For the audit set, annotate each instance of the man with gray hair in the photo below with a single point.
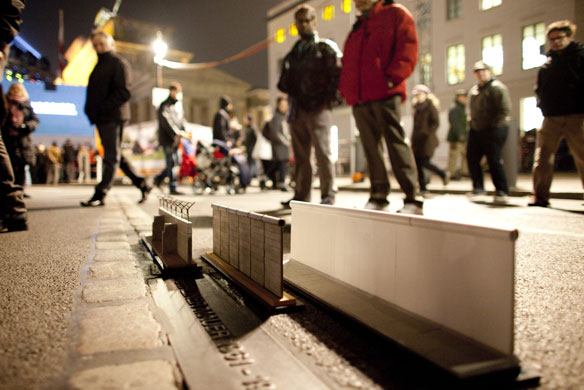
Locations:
(107, 106)
(560, 94)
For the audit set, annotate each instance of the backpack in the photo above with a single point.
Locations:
(266, 130)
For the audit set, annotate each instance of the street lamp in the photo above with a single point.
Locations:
(160, 48)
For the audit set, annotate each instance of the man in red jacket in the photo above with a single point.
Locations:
(380, 54)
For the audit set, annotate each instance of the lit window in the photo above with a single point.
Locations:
(453, 9)
(455, 65)
(493, 52)
(328, 13)
(530, 115)
(426, 68)
(346, 6)
(488, 4)
(293, 30)
(280, 35)
(533, 39)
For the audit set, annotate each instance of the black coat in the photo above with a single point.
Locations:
(18, 140)
(108, 90)
(560, 82)
(221, 125)
(426, 122)
(310, 73)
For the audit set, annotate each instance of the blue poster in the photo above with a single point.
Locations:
(60, 111)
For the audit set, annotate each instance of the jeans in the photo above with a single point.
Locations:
(171, 157)
(487, 143)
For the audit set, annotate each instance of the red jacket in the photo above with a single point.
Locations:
(382, 47)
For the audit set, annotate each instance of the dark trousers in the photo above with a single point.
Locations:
(11, 195)
(381, 119)
(487, 143)
(171, 157)
(425, 163)
(278, 171)
(111, 138)
(307, 130)
(11, 199)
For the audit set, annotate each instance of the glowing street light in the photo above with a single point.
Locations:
(160, 48)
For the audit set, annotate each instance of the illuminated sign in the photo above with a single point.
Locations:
(60, 111)
(52, 108)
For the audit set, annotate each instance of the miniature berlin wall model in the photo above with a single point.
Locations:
(457, 279)
(172, 231)
(248, 247)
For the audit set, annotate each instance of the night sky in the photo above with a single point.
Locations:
(211, 29)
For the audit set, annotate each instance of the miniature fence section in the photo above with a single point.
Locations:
(248, 247)
(454, 281)
(172, 232)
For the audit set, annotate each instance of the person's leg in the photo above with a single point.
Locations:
(12, 207)
(497, 139)
(453, 158)
(433, 168)
(400, 153)
(420, 162)
(474, 154)
(320, 131)
(110, 139)
(574, 134)
(370, 135)
(301, 147)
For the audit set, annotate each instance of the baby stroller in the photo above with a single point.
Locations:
(217, 165)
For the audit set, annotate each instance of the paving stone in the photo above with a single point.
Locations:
(114, 289)
(112, 236)
(115, 255)
(157, 374)
(112, 270)
(119, 328)
(112, 245)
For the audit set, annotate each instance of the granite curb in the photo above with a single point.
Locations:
(118, 340)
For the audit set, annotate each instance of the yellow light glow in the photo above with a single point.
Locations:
(328, 13)
(293, 30)
(280, 35)
(346, 6)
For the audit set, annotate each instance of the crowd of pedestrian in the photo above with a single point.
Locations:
(369, 75)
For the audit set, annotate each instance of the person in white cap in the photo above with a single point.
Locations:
(489, 111)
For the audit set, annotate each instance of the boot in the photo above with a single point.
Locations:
(145, 188)
(96, 200)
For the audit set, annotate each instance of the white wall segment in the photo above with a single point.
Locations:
(457, 275)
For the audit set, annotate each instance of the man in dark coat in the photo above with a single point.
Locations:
(171, 124)
(221, 121)
(377, 61)
(107, 106)
(12, 208)
(280, 144)
(310, 74)
(489, 125)
(560, 91)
